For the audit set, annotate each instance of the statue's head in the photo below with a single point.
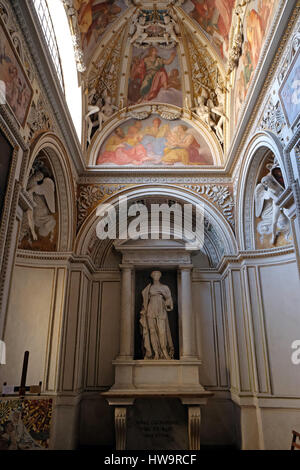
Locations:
(156, 275)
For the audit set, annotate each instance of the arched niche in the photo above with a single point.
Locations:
(262, 146)
(53, 152)
(219, 237)
(205, 142)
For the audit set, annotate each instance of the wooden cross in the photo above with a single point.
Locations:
(22, 389)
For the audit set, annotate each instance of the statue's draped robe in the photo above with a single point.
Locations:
(156, 300)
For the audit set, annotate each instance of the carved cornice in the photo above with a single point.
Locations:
(8, 120)
(254, 254)
(57, 258)
(152, 179)
(220, 195)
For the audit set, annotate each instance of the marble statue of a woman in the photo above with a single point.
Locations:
(157, 301)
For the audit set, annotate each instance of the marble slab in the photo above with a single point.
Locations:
(157, 424)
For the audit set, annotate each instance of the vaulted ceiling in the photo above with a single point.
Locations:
(204, 53)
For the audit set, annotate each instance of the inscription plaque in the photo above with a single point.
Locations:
(157, 424)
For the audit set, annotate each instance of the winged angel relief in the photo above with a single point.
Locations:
(273, 220)
(40, 221)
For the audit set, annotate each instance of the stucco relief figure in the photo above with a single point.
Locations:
(170, 30)
(203, 110)
(140, 34)
(104, 112)
(40, 221)
(274, 221)
(220, 111)
(155, 328)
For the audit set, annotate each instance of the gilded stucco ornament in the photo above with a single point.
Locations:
(155, 29)
(75, 32)
(238, 37)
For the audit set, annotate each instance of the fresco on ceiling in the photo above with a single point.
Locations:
(155, 76)
(215, 17)
(258, 18)
(289, 91)
(94, 17)
(25, 424)
(154, 141)
(15, 87)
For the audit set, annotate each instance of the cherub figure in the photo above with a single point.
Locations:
(140, 35)
(204, 111)
(169, 27)
(104, 113)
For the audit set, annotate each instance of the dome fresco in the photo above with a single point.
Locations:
(195, 59)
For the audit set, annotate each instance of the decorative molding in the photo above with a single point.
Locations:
(273, 120)
(194, 426)
(220, 195)
(120, 427)
(152, 179)
(75, 33)
(91, 195)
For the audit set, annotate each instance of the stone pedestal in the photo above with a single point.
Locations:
(192, 400)
(158, 379)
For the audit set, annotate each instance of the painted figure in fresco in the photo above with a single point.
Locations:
(17, 91)
(155, 138)
(158, 143)
(94, 16)
(215, 17)
(150, 75)
(125, 150)
(182, 147)
(255, 35)
(256, 23)
(154, 322)
(174, 80)
(155, 75)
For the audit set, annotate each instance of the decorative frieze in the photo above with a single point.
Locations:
(221, 196)
(91, 195)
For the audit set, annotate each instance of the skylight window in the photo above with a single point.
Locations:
(42, 10)
(54, 22)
